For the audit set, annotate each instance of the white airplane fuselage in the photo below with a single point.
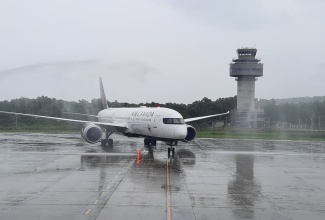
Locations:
(157, 123)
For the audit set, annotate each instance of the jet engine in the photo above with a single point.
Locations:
(91, 133)
(191, 133)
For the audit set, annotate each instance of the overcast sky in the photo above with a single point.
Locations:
(158, 50)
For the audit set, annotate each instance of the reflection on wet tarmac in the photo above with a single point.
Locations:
(187, 157)
(209, 179)
(243, 190)
(93, 159)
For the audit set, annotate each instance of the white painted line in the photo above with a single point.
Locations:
(87, 212)
(96, 202)
(102, 194)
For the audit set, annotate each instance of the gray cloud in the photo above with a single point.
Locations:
(162, 51)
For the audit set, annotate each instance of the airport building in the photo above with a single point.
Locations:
(246, 68)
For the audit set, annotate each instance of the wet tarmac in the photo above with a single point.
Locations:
(58, 176)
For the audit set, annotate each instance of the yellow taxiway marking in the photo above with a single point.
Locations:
(88, 211)
(168, 192)
(96, 202)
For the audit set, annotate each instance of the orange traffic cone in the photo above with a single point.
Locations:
(138, 155)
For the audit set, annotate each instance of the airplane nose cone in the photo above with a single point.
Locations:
(180, 132)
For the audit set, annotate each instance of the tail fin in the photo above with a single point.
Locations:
(102, 94)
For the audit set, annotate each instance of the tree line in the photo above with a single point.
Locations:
(298, 100)
(309, 115)
(303, 115)
(60, 108)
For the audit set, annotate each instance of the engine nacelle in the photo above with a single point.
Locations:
(191, 133)
(91, 133)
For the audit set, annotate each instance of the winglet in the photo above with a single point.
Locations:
(102, 94)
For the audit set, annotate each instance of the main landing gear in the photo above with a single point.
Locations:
(107, 142)
(171, 148)
(149, 144)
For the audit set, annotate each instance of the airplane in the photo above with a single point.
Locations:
(152, 124)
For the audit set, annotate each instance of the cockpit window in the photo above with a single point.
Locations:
(173, 120)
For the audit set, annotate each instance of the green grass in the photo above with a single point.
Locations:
(207, 133)
(263, 134)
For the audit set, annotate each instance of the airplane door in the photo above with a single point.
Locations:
(156, 121)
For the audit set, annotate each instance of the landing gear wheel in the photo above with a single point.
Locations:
(103, 142)
(171, 148)
(110, 143)
(149, 142)
(107, 143)
(146, 142)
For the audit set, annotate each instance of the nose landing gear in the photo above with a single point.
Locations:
(171, 148)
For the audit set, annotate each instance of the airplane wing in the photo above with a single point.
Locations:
(73, 113)
(203, 117)
(102, 124)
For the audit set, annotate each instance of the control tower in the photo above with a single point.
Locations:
(246, 68)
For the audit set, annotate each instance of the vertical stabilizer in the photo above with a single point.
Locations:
(102, 94)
